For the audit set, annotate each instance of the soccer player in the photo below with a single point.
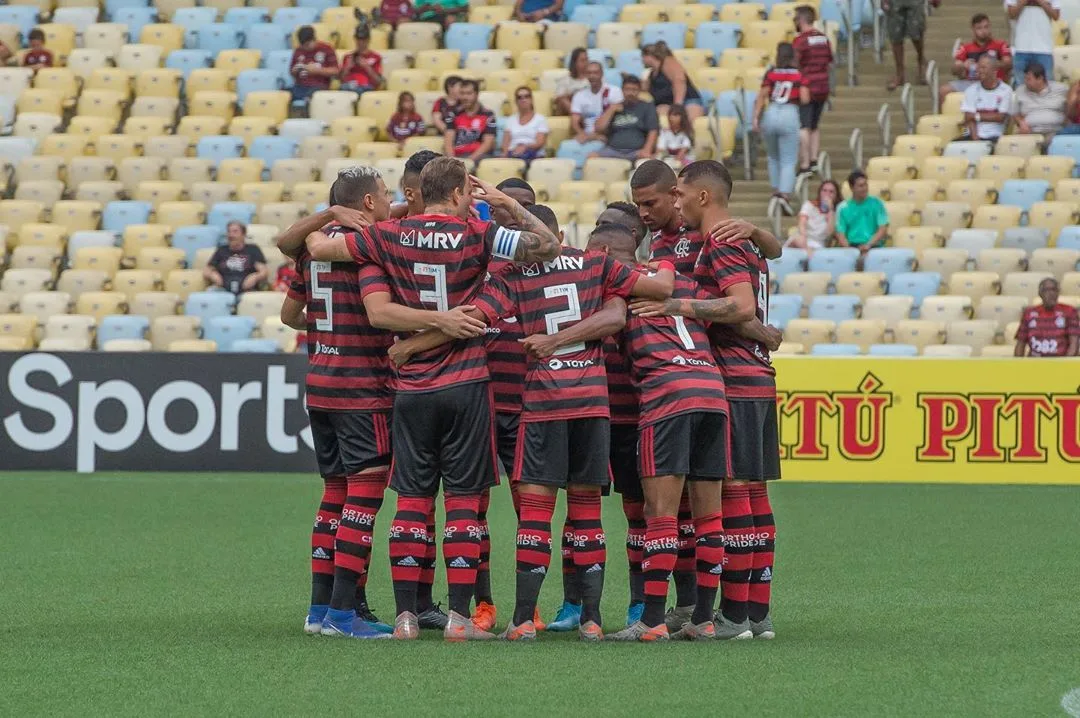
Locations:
(349, 401)
(442, 422)
(410, 180)
(682, 442)
(653, 188)
(736, 273)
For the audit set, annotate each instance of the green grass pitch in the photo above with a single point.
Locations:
(140, 595)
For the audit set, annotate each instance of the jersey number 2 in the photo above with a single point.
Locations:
(326, 294)
(572, 313)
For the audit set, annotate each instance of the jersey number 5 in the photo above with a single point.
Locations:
(572, 313)
(326, 294)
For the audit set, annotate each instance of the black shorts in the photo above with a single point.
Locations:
(694, 445)
(755, 439)
(447, 434)
(810, 115)
(348, 442)
(562, 452)
(624, 465)
(506, 437)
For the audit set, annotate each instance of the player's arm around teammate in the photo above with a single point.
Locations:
(292, 314)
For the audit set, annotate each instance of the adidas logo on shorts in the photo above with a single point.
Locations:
(459, 562)
(408, 561)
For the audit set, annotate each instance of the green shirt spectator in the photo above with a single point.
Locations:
(861, 221)
(444, 11)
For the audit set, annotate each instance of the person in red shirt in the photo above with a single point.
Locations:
(966, 60)
(815, 57)
(406, 122)
(470, 127)
(37, 56)
(362, 69)
(446, 104)
(1050, 329)
(394, 12)
(313, 64)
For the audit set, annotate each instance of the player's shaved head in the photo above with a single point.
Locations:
(545, 215)
(615, 240)
(518, 189)
(653, 173)
(704, 186)
(626, 215)
(410, 179)
(653, 188)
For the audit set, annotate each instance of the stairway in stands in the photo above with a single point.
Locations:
(858, 106)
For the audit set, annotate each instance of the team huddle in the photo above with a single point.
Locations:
(442, 345)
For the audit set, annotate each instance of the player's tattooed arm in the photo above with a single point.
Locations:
(537, 243)
(659, 286)
(730, 230)
(405, 349)
(761, 333)
(324, 248)
(291, 241)
(457, 323)
(292, 314)
(737, 307)
(610, 319)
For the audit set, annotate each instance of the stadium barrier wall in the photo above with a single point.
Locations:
(1007, 421)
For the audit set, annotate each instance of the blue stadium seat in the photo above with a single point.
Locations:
(206, 305)
(1069, 237)
(919, 285)
(319, 5)
(219, 147)
(612, 76)
(593, 15)
(601, 56)
(267, 38)
(256, 81)
(294, 17)
(270, 149)
(25, 17)
(972, 241)
(224, 212)
(1065, 146)
(245, 17)
(890, 260)
(617, 4)
(569, 150)
(570, 6)
(255, 346)
(673, 33)
(299, 128)
(118, 215)
(792, 260)
(717, 37)
(783, 308)
(1023, 193)
(113, 6)
(218, 36)
(468, 36)
(970, 150)
(893, 350)
(734, 103)
(280, 61)
(629, 61)
(835, 307)
(13, 149)
(122, 326)
(89, 238)
(834, 350)
(834, 11)
(191, 19)
(227, 329)
(187, 60)
(195, 237)
(1027, 238)
(135, 18)
(834, 260)
(7, 113)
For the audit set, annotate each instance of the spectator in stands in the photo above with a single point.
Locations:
(537, 10)
(1039, 104)
(5, 53)
(676, 143)
(668, 82)
(630, 126)
(362, 69)
(313, 64)
(37, 56)
(1072, 112)
(286, 275)
(1033, 34)
(237, 266)
(406, 122)
(588, 104)
(987, 103)
(817, 220)
(814, 56)
(966, 60)
(526, 132)
(1050, 329)
(395, 12)
(445, 11)
(470, 127)
(905, 19)
(567, 86)
(862, 221)
(446, 104)
(783, 90)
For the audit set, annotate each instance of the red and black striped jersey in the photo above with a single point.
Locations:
(434, 262)
(506, 359)
(348, 368)
(815, 57)
(783, 85)
(673, 366)
(680, 247)
(622, 395)
(549, 296)
(1048, 331)
(744, 363)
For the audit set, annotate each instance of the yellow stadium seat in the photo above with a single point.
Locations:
(160, 260)
(599, 169)
(918, 191)
(790, 349)
(1024, 146)
(765, 35)
(45, 191)
(1001, 261)
(167, 146)
(209, 193)
(328, 105)
(944, 127)
(952, 103)
(236, 61)
(77, 281)
(996, 216)
(861, 284)
(68, 332)
(371, 152)
(137, 237)
(742, 13)
(44, 167)
(917, 239)
(76, 215)
(418, 36)
(135, 170)
(157, 192)
(495, 170)
(1051, 169)
(153, 304)
(642, 13)
(183, 282)
(946, 308)
(863, 332)
(60, 80)
(294, 171)
(944, 169)
(999, 168)
(167, 36)
(102, 259)
(944, 261)
(975, 333)
(809, 332)
(206, 79)
(917, 147)
(546, 174)
(1053, 216)
(998, 351)
(101, 103)
(17, 332)
(272, 328)
(410, 80)
(118, 147)
(482, 62)
(138, 57)
(190, 346)
(65, 146)
(617, 37)
(260, 193)
(214, 104)
(321, 149)
(15, 212)
(806, 284)
(581, 192)
(715, 79)
(60, 39)
(35, 257)
(312, 193)
(353, 129)
(18, 282)
(436, 61)
(189, 170)
(180, 214)
(273, 104)
(948, 351)
(1023, 284)
(260, 305)
(92, 127)
(563, 37)
(505, 81)
(1001, 309)
(280, 214)
(559, 130)
(902, 214)
(46, 235)
(130, 282)
(691, 14)
(42, 102)
(100, 192)
(238, 170)
(518, 37)
(106, 37)
(889, 308)
(1070, 283)
(974, 192)
(200, 125)
(379, 106)
(101, 304)
(165, 330)
(396, 59)
(742, 59)
(1055, 261)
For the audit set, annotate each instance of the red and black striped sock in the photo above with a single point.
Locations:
(483, 571)
(685, 574)
(710, 564)
(590, 550)
(570, 586)
(354, 536)
(764, 545)
(661, 552)
(424, 599)
(322, 540)
(738, 551)
(635, 546)
(408, 546)
(515, 498)
(533, 552)
(461, 549)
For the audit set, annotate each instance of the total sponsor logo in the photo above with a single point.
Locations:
(326, 349)
(557, 364)
(688, 361)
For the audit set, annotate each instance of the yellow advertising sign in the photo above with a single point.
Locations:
(994, 421)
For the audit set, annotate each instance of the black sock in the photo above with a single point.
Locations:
(322, 587)
(528, 590)
(637, 588)
(591, 581)
(483, 587)
(361, 595)
(405, 596)
(344, 595)
(460, 599)
(654, 612)
(424, 601)
(685, 588)
(703, 609)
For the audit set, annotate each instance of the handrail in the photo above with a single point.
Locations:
(847, 14)
(775, 213)
(879, 36)
(884, 121)
(747, 141)
(855, 144)
(802, 187)
(933, 79)
(824, 165)
(907, 104)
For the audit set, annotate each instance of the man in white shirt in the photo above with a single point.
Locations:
(585, 107)
(1033, 34)
(987, 103)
